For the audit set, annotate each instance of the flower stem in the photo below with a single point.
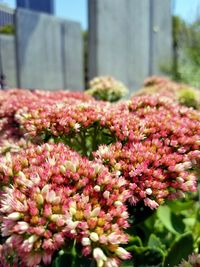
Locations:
(73, 253)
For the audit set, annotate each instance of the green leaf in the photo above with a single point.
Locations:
(178, 206)
(150, 222)
(133, 241)
(154, 242)
(139, 213)
(148, 257)
(170, 220)
(62, 260)
(181, 248)
(199, 189)
(189, 222)
(127, 264)
(66, 260)
(177, 223)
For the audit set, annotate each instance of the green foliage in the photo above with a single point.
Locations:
(66, 260)
(154, 242)
(166, 236)
(128, 263)
(146, 257)
(186, 52)
(71, 258)
(139, 213)
(170, 220)
(7, 29)
(188, 97)
(134, 241)
(86, 141)
(180, 249)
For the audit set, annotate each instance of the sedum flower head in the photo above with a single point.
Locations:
(181, 93)
(193, 261)
(52, 202)
(106, 88)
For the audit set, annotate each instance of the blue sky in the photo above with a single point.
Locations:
(77, 9)
(187, 9)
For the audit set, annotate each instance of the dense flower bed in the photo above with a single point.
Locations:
(73, 168)
(182, 93)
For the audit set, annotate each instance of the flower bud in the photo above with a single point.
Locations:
(122, 253)
(62, 169)
(54, 217)
(97, 188)
(72, 210)
(106, 194)
(14, 216)
(95, 212)
(22, 226)
(99, 256)
(32, 239)
(39, 199)
(118, 203)
(94, 237)
(85, 241)
(48, 147)
(180, 179)
(148, 191)
(69, 165)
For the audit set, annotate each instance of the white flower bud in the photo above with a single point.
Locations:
(95, 212)
(23, 226)
(118, 203)
(32, 239)
(48, 147)
(71, 166)
(85, 241)
(180, 179)
(148, 191)
(72, 225)
(45, 189)
(76, 126)
(22, 175)
(106, 194)
(62, 169)
(94, 237)
(72, 211)
(124, 214)
(54, 217)
(14, 216)
(122, 253)
(97, 188)
(187, 165)
(99, 256)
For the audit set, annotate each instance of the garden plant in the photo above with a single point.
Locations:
(90, 182)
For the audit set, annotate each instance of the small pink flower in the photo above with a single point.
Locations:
(122, 253)
(99, 256)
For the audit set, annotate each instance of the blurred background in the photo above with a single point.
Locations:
(52, 44)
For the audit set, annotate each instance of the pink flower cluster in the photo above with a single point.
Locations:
(163, 86)
(154, 171)
(58, 197)
(133, 121)
(145, 149)
(11, 101)
(59, 118)
(192, 261)
(181, 93)
(173, 125)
